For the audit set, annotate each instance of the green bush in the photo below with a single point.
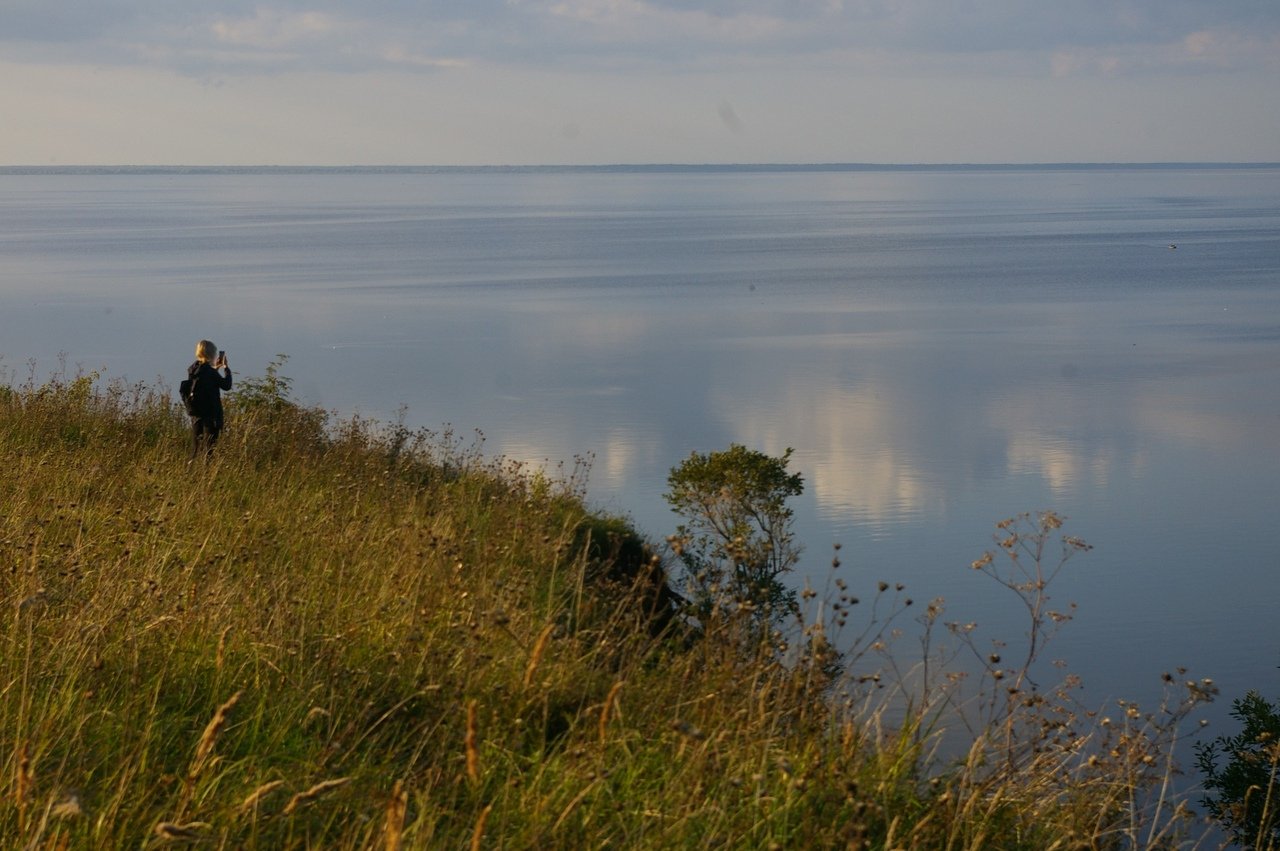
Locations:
(736, 542)
(1242, 774)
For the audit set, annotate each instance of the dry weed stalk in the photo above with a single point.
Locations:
(573, 805)
(539, 647)
(473, 755)
(478, 833)
(303, 798)
(24, 782)
(59, 842)
(396, 807)
(604, 710)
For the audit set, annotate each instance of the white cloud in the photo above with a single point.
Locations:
(1231, 50)
(635, 20)
(1204, 50)
(272, 29)
(400, 55)
(351, 36)
(594, 81)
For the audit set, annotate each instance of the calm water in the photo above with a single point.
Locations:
(942, 348)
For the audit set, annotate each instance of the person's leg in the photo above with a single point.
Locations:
(204, 434)
(212, 429)
(197, 433)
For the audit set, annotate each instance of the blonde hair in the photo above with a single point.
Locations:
(206, 351)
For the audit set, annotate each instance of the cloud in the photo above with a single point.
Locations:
(1198, 51)
(636, 20)
(273, 29)
(344, 35)
(648, 80)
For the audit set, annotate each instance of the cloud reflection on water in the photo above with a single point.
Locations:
(847, 439)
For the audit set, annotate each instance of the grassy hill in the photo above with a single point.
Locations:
(349, 635)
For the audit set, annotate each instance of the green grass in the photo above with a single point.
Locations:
(350, 635)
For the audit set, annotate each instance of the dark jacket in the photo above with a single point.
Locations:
(207, 384)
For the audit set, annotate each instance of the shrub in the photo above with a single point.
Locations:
(1243, 791)
(736, 543)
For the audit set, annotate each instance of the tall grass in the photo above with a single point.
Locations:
(351, 635)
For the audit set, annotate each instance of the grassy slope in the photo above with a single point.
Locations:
(356, 637)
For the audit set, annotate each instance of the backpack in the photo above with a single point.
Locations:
(187, 393)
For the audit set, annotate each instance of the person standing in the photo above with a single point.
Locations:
(207, 384)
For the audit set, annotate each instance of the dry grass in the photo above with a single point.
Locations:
(424, 648)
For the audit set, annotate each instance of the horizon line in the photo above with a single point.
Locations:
(156, 168)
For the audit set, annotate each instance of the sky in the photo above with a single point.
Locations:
(521, 82)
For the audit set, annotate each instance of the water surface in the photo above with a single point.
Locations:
(942, 348)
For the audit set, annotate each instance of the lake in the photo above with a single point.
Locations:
(942, 347)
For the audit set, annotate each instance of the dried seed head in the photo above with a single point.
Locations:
(304, 798)
(397, 806)
(210, 736)
(68, 807)
(472, 752)
(256, 796)
(172, 831)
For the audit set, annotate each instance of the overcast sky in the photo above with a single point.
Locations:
(337, 82)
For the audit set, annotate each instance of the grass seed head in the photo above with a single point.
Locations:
(169, 831)
(255, 797)
(210, 736)
(472, 751)
(303, 798)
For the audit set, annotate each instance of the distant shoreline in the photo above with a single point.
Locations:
(653, 168)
